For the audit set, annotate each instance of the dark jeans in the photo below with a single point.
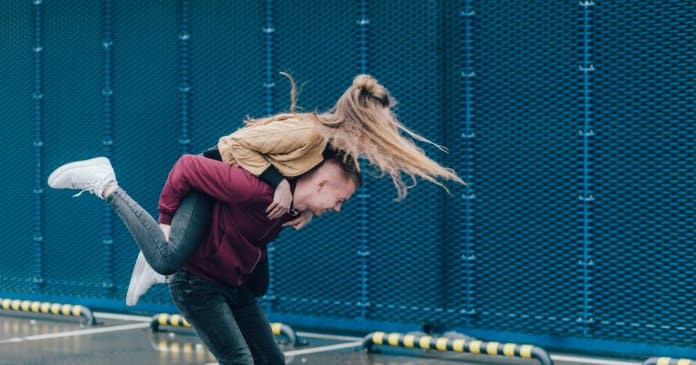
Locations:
(189, 222)
(228, 320)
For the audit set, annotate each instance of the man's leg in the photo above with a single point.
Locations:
(256, 329)
(206, 307)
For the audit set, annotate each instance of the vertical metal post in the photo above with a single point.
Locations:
(268, 87)
(107, 144)
(184, 76)
(37, 96)
(586, 262)
(467, 74)
(364, 195)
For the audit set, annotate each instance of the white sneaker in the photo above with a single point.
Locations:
(142, 279)
(92, 175)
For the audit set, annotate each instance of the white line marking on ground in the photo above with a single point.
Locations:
(122, 317)
(314, 350)
(328, 337)
(339, 346)
(591, 360)
(581, 360)
(90, 331)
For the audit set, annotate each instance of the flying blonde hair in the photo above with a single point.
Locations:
(362, 123)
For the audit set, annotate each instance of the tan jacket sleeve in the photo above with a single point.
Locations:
(292, 146)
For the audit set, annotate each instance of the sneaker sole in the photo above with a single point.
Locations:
(138, 269)
(71, 165)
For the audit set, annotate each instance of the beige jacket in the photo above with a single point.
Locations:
(293, 146)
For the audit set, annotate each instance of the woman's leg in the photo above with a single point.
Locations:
(190, 221)
(206, 307)
(188, 224)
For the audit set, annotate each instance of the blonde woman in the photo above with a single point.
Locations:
(283, 147)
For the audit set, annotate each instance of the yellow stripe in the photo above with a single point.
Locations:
(509, 349)
(408, 340)
(25, 305)
(663, 361)
(276, 327)
(175, 320)
(424, 342)
(162, 319)
(378, 338)
(393, 339)
(441, 343)
(16, 304)
(77, 310)
(492, 348)
(45, 307)
(684, 362)
(6, 304)
(55, 308)
(35, 306)
(475, 347)
(458, 345)
(65, 310)
(526, 351)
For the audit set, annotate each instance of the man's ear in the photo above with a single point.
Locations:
(322, 184)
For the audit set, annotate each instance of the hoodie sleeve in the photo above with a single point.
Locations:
(219, 180)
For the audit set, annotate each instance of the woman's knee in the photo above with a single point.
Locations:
(166, 266)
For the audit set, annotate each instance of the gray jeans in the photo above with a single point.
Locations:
(189, 222)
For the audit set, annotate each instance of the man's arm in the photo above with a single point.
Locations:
(217, 179)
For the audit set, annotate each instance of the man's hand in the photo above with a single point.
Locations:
(302, 220)
(282, 199)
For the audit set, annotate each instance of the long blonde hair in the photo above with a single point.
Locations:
(362, 123)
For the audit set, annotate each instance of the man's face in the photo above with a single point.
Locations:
(329, 194)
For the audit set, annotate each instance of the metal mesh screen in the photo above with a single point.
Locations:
(319, 55)
(17, 130)
(644, 158)
(407, 238)
(572, 122)
(527, 159)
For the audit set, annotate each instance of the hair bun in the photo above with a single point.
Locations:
(366, 84)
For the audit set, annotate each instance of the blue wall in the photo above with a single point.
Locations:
(573, 123)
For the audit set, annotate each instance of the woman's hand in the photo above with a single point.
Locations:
(302, 220)
(165, 230)
(282, 199)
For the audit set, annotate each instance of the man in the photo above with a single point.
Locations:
(211, 290)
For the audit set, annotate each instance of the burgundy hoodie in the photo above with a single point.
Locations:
(239, 230)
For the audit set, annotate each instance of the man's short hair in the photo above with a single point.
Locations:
(348, 164)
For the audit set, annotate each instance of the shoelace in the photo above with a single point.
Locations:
(90, 187)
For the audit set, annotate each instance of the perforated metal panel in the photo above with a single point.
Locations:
(17, 131)
(527, 156)
(407, 243)
(572, 122)
(645, 166)
(319, 55)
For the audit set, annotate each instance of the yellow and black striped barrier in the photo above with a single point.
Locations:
(28, 306)
(668, 361)
(472, 346)
(175, 320)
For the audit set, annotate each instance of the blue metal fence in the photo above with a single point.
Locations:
(572, 122)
